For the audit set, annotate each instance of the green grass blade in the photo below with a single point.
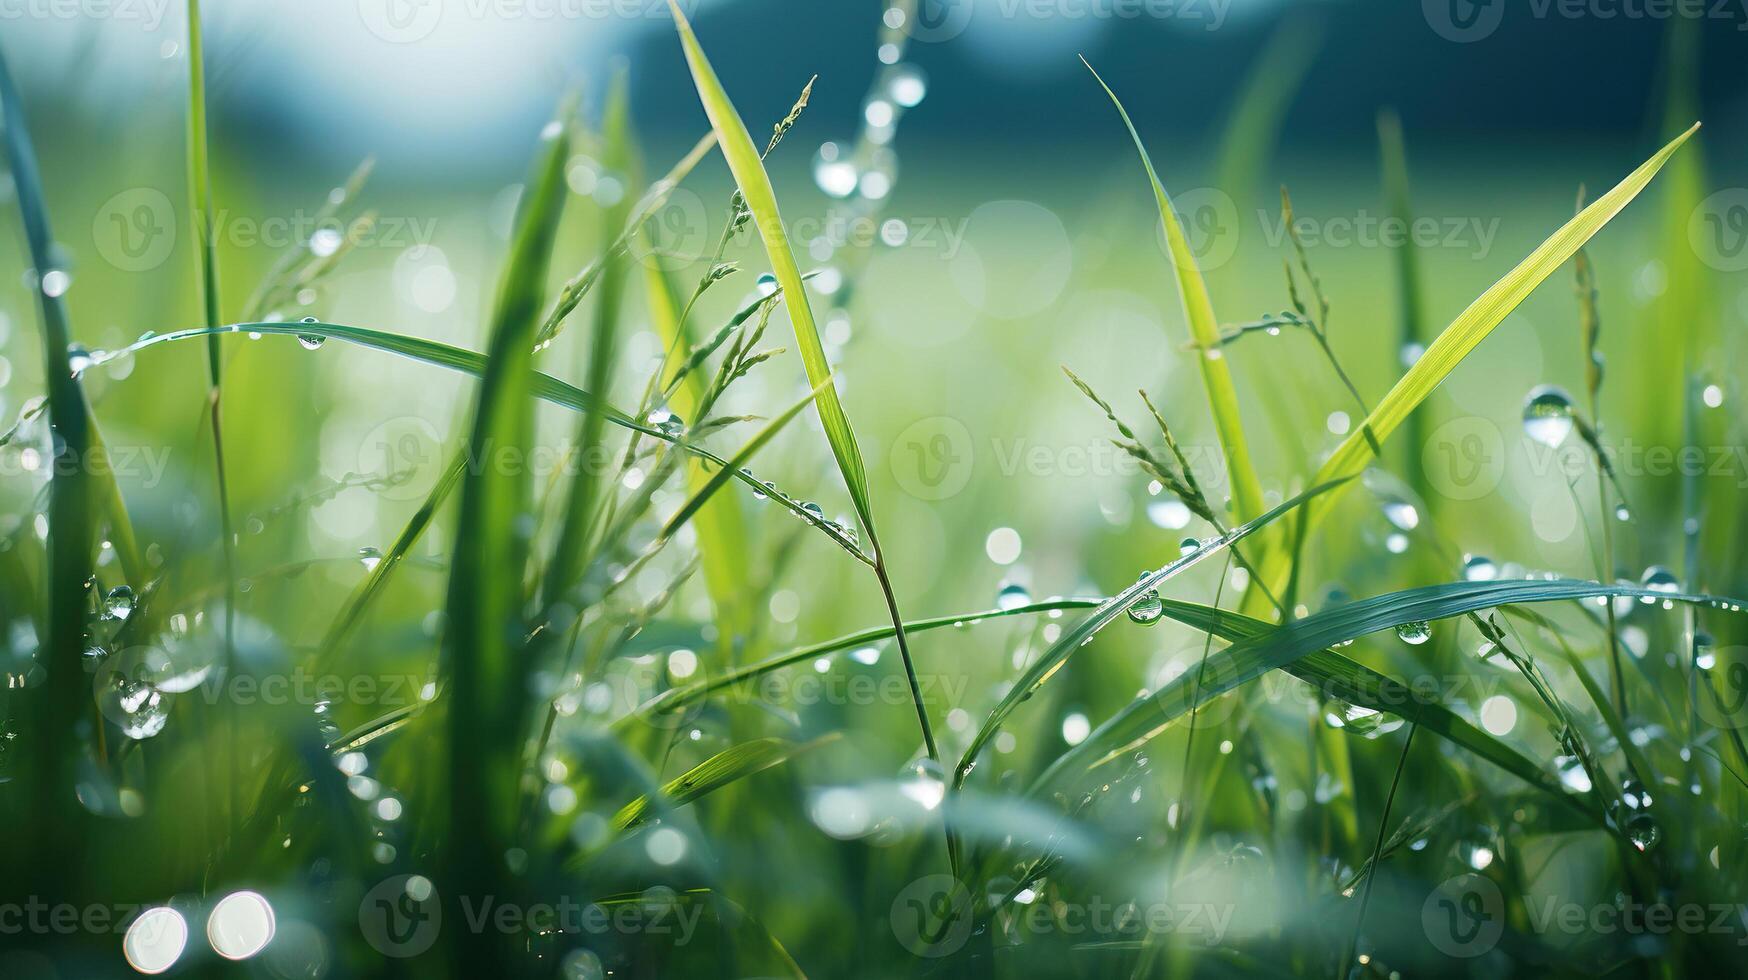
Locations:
(745, 163)
(676, 698)
(1205, 332)
(1410, 306)
(545, 387)
(1072, 639)
(571, 553)
(651, 202)
(47, 768)
(755, 186)
(719, 522)
(1474, 324)
(1250, 658)
(728, 766)
(486, 681)
(1338, 676)
(700, 497)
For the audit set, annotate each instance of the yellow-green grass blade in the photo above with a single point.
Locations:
(755, 186)
(748, 168)
(719, 523)
(483, 665)
(571, 553)
(1205, 332)
(730, 765)
(1468, 330)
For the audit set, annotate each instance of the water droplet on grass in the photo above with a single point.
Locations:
(1012, 596)
(1547, 415)
(1479, 568)
(1414, 634)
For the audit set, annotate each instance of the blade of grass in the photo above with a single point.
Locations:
(700, 497)
(676, 698)
(734, 763)
(571, 552)
(1081, 633)
(48, 769)
(719, 523)
(545, 387)
(745, 163)
(1255, 655)
(485, 681)
(1468, 330)
(200, 217)
(1410, 305)
(1205, 331)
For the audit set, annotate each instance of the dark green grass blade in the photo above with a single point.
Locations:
(1250, 658)
(727, 766)
(1338, 676)
(486, 678)
(1072, 639)
(46, 766)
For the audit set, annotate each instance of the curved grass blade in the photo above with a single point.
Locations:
(700, 497)
(761, 200)
(1338, 676)
(544, 387)
(485, 681)
(1205, 330)
(1470, 328)
(676, 698)
(747, 166)
(1250, 658)
(48, 770)
(1082, 632)
(734, 763)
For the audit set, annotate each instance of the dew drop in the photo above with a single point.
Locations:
(923, 782)
(1148, 609)
(1414, 634)
(1547, 415)
(1479, 568)
(119, 603)
(1358, 720)
(1012, 596)
(1643, 831)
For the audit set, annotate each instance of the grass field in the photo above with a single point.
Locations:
(743, 556)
